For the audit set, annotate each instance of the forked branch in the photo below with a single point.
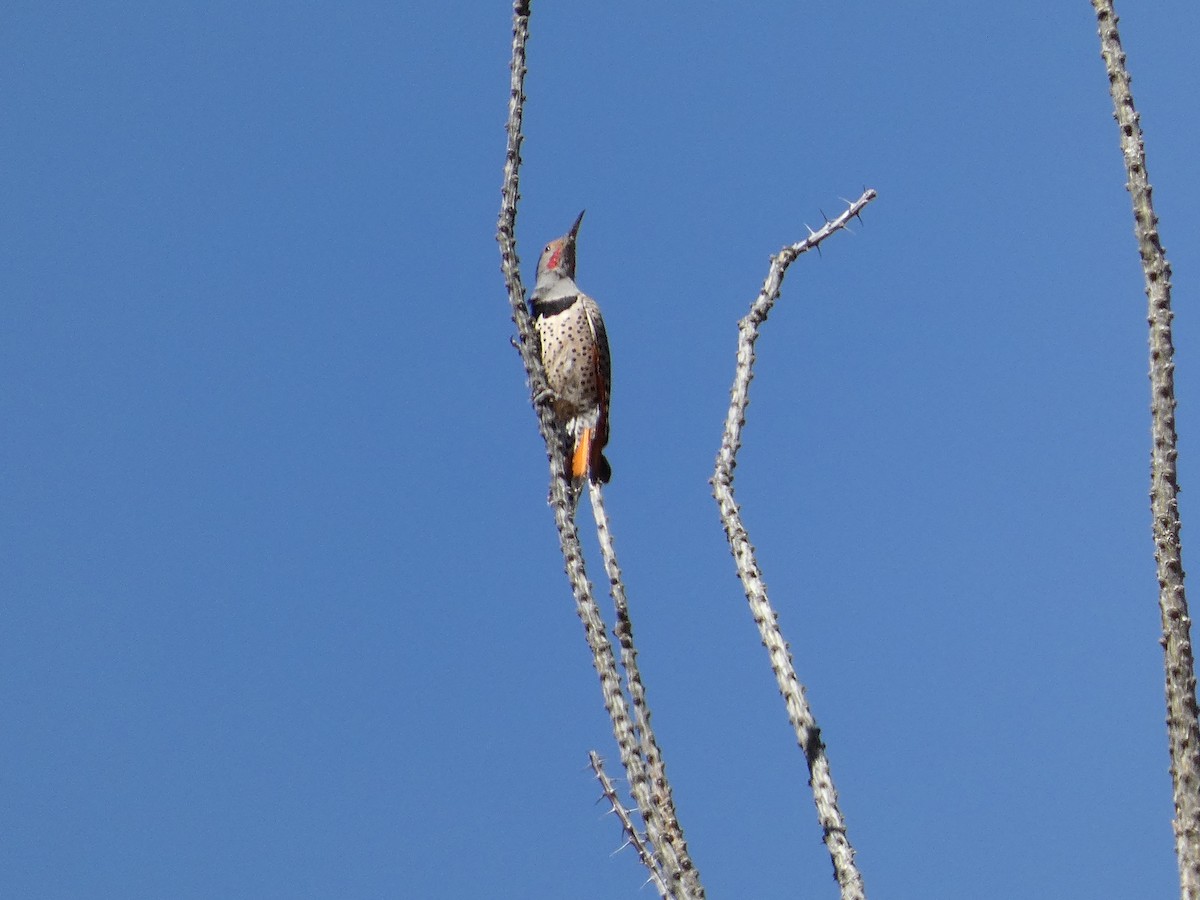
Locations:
(662, 831)
(660, 788)
(632, 837)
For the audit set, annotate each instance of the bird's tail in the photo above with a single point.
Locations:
(588, 458)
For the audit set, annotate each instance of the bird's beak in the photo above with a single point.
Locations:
(575, 228)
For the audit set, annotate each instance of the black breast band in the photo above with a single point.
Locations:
(553, 307)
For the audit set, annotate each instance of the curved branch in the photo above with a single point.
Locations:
(1183, 729)
(808, 735)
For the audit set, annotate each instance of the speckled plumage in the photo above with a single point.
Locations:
(574, 350)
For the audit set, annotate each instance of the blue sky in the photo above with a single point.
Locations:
(284, 614)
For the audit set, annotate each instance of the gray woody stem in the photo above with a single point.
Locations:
(660, 788)
(632, 836)
(1183, 732)
(808, 735)
(562, 500)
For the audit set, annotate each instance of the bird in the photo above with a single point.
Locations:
(573, 346)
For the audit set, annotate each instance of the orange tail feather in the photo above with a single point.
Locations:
(581, 458)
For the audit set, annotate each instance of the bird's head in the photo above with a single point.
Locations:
(559, 255)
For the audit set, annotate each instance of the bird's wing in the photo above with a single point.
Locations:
(602, 369)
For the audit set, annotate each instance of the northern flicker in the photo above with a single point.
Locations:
(574, 350)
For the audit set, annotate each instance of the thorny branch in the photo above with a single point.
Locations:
(681, 879)
(1183, 729)
(632, 837)
(660, 787)
(808, 735)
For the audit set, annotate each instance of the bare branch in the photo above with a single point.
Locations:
(633, 837)
(808, 735)
(660, 795)
(1183, 730)
(562, 497)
